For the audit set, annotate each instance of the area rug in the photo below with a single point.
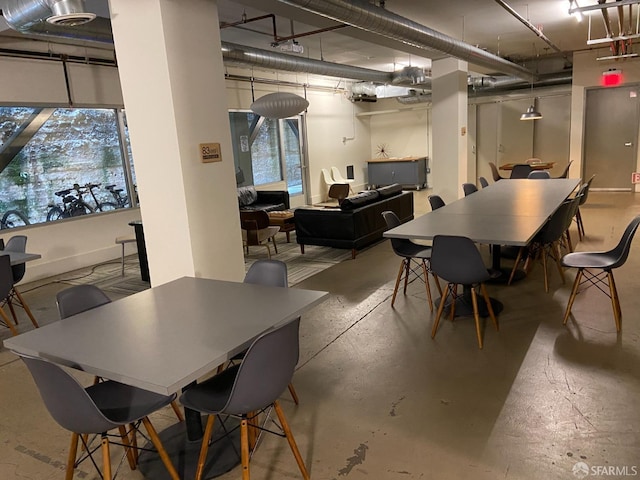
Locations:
(107, 276)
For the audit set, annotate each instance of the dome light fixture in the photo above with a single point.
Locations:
(531, 114)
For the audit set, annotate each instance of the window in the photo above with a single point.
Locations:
(266, 150)
(58, 162)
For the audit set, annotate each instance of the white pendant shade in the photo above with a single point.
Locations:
(279, 105)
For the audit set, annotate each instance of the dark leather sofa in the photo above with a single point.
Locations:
(356, 223)
(250, 199)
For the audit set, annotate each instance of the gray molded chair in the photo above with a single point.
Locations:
(6, 285)
(339, 191)
(585, 194)
(18, 243)
(80, 298)
(483, 182)
(436, 202)
(604, 263)
(415, 260)
(458, 261)
(546, 243)
(539, 175)
(469, 188)
(272, 273)
(98, 409)
(250, 387)
(521, 170)
(495, 172)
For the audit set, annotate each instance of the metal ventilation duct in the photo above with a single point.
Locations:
(371, 18)
(22, 15)
(256, 57)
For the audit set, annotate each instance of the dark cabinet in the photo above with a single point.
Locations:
(408, 171)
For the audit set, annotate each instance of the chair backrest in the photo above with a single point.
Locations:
(326, 176)
(79, 298)
(483, 181)
(585, 190)
(392, 221)
(252, 222)
(557, 223)
(436, 202)
(520, 170)
(6, 277)
(469, 188)
(457, 260)
(621, 251)
(337, 176)
(17, 243)
(539, 174)
(494, 172)
(266, 370)
(565, 173)
(267, 272)
(67, 401)
(339, 191)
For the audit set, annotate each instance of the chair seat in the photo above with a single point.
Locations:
(122, 403)
(602, 260)
(263, 234)
(125, 239)
(212, 395)
(413, 250)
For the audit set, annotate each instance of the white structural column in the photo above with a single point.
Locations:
(449, 127)
(172, 79)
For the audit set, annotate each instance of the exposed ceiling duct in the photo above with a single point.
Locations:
(22, 15)
(256, 57)
(371, 18)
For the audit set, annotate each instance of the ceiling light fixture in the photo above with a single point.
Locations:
(279, 105)
(531, 113)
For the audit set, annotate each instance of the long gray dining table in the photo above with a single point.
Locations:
(163, 339)
(507, 212)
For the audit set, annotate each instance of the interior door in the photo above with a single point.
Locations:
(611, 134)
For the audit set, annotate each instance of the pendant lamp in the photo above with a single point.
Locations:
(531, 114)
(279, 105)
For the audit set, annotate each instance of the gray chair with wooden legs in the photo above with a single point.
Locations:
(80, 298)
(415, 260)
(604, 263)
(547, 243)
(6, 285)
(469, 188)
(272, 273)
(245, 390)
(578, 217)
(338, 191)
(483, 181)
(458, 261)
(436, 202)
(495, 172)
(257, 231)
(18, 243)
(520, 171)
(98, 409)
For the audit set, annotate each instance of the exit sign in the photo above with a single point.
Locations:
(635, 177)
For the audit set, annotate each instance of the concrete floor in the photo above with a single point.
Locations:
(381, 400)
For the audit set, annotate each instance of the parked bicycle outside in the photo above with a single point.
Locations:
(13, 219)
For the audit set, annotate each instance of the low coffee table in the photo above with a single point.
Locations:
(284, 220)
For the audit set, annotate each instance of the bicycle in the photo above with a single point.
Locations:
(71, 206)
(122, 200)
(13, 219)
(88, 189)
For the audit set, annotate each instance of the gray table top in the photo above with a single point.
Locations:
(166, 337)
(508, 212)
(19, 257)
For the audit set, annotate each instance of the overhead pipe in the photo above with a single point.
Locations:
(363, 15)
(21, 15)
(256, 57)
(534, 29)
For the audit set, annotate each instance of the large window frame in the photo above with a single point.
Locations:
(49, 149)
